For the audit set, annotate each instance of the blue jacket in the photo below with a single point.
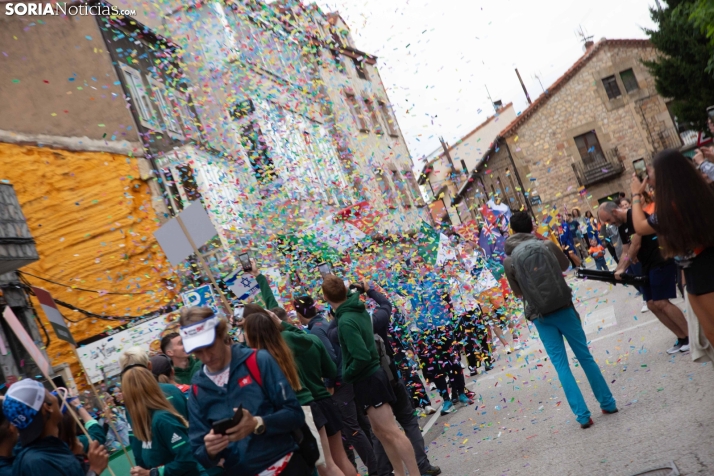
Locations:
(47, 456)
(275, 402)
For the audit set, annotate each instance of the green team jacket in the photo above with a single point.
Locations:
(184, 376)
(311, 357)
(354, 330)
(169, 449)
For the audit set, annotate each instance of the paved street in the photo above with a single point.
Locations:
(523, 425)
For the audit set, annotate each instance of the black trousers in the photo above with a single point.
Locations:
(352, 431)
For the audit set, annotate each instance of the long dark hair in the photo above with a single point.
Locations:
(684, 204)
(263, 332)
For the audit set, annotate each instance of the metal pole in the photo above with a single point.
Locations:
(520, 182)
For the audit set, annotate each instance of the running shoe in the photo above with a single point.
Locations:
(684, 348)
(448, 408)
(609, 412)
(645, 308)
(473, 371)
(465, 400)
(676, 348)
(429, 410)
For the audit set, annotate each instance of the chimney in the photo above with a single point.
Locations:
(498, 105)
(588, 44)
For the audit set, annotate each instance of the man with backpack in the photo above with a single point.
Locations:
(534, 271)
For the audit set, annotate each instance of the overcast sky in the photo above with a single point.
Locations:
(435, 56)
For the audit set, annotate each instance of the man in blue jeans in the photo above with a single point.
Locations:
(534, 271)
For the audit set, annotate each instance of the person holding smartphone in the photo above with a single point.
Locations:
(263, 440)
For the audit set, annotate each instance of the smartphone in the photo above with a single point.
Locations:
(221, 426)
(640, 169)
(245, 262)
(324, 269)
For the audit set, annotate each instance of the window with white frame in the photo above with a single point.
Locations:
(401, 189)
(357, 112)
(189, 119)
(371, 107)
(169, 113)
(414, 187)
(139, 96)
(388, 117)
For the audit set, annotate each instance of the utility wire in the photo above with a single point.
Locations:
(81, 289)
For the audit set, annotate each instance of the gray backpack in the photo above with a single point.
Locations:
(384, 359)
(540, 278)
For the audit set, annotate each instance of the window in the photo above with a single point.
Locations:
(401, 190)
(188, 117)
(138, 93)
(257, 151)
(589, 148)
(166, 108)
(385, 188)
(388, 118)
(611, 87)
(376, 125)
(188, 182)
(339, 64)
(629, 80)
(173, 197)
(360, 67)
(357, 112)
(414, 187)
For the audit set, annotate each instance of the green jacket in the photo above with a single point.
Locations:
(313, 362)
(175, 398)
(354, 329)
(169, 449)
(184, 376)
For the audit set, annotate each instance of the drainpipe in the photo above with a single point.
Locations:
(518, 177)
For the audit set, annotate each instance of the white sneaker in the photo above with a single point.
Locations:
(676, 347)
(429, 410)
(684, 348)
(645, 308)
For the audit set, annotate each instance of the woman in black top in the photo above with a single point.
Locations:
(684, 224)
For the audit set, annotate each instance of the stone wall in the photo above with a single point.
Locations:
(544, 147)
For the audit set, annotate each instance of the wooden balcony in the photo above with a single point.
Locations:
(598, 167)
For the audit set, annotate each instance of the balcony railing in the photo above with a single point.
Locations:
(667, 139)
(597, 167)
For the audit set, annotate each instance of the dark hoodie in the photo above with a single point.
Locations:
(312, 362)
(354, 328)
(274, 401)
(511, 243)
(47, 456)
(309, 353)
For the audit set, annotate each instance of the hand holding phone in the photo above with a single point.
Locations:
(221, 426)
(245, 262)
(640, 169)
(324, 269)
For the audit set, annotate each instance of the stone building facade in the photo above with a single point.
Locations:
(574, 146)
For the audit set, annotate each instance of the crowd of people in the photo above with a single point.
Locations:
(271, 392)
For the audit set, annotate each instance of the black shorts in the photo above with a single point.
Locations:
(374, 391)
(699, 276)
(326, 414)
(662, 284)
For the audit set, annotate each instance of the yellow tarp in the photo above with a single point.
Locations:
(91, 216)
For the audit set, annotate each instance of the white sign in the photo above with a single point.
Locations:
(172, 239)
(101, 356)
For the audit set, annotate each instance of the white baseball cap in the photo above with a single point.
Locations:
(199, 335)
